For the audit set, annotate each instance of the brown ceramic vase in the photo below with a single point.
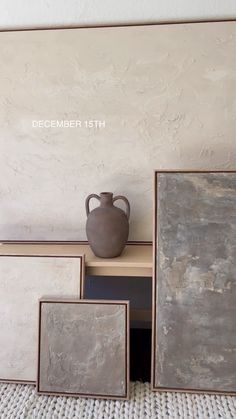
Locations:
(107, 226)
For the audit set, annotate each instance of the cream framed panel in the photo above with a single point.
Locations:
(84, 348)
(164, 105)
(194, 282)
(24, 279)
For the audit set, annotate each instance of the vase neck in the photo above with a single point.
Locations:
(106, 199)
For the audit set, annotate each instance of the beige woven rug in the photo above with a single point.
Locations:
(21, 401)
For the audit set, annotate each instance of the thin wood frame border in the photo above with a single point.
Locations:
(120, 25)
(70, 242)
(126, 304)
(80, 293)
(155, 291)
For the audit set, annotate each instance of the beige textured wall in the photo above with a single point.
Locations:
(167, 94)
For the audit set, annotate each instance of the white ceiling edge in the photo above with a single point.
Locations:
(28, 14)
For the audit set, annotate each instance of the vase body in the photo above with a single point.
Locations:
(107, 226)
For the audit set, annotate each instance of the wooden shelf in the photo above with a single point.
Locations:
(136, 259)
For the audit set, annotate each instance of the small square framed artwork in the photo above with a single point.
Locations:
(194, 282)
(24, 279)
(83, 348)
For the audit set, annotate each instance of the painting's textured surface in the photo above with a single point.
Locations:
(166, 94)
(23, 280)
(196, 281)
(83, 348)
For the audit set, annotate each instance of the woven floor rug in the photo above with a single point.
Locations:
(21, 401)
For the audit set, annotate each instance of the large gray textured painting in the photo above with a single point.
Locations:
(83, 348)
(195, 281)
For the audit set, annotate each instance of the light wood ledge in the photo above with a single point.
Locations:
(136, 259)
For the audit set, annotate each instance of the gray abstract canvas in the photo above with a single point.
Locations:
(84, 348)
(195, 281)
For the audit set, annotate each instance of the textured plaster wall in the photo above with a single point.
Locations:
(166, 93)
(44, 13)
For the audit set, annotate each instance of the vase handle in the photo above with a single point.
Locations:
(93, 195)
(123, 198)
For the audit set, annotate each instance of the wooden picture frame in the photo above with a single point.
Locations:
(100, 369)
(24, 279)
(194, 330)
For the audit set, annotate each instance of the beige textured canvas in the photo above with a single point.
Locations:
(166, 94)
(84, 348)
(23, 281)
